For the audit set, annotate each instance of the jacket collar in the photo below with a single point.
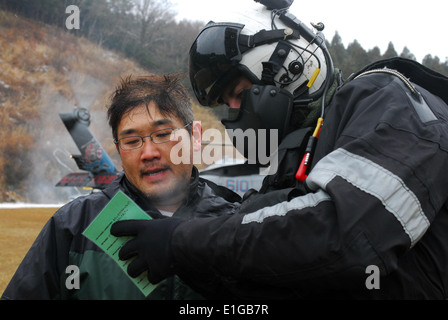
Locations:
(123, 184)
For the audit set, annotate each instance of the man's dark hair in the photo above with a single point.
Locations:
(167, 92)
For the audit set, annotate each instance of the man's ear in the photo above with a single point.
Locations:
(197, 135)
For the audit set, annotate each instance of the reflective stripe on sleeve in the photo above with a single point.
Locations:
(309, 200)
(377, 181)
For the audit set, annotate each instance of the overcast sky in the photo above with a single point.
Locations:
(419, 25)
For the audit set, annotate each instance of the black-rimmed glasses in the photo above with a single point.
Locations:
(157, 137)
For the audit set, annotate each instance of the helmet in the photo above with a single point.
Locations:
(284, 59)
(247, 46)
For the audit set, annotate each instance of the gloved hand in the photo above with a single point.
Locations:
(151, 245)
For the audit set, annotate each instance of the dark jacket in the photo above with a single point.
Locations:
(42, 273)
(375, 199)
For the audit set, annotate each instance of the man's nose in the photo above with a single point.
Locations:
(234, 102)
(149, 149)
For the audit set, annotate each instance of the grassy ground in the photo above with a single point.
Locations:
(18, 229)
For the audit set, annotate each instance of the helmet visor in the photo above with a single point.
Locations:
(214, 56)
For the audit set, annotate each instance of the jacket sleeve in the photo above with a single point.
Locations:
(374, 192)
(38, 276)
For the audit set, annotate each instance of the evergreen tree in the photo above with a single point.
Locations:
(407, 54)
(374, 54)
(435, 64)
(356, 58)
(390, 51)
(338, 52)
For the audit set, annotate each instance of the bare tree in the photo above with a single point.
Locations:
(152, 16)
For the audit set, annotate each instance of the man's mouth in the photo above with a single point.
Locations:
(153, 172)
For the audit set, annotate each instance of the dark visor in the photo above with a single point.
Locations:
(214, 53)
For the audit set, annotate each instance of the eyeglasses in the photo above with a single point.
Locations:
(157, 137)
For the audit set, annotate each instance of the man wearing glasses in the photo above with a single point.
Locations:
(148, 116)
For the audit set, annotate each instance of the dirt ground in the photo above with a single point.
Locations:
(19, 228)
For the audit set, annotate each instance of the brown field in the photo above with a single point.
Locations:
(18, 229)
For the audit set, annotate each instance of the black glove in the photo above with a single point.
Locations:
(151, 245)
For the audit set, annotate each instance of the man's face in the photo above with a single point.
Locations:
(234, 90)
(150, 168)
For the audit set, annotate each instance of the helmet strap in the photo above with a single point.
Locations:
(247, 42)
(275, 63)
